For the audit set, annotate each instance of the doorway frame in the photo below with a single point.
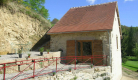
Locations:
(81, 47)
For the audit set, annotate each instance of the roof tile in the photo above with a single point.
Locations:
(88, 18)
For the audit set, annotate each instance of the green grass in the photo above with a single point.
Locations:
(132, 65)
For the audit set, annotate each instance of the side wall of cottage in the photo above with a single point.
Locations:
(116, 50)
(59, 40)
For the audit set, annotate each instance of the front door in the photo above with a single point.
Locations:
(84, 48)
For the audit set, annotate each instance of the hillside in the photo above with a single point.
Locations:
(20, 25)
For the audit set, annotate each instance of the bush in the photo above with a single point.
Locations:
(107, 78)
(124, 60)
(41, 49)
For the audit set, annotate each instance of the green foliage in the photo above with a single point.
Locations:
(70, 68)
(19, 51)
(29, 54)
(47, 50)
(44, 12)
(75, 77)
(132, 65)
(107, 78)
(129, 40)
(103, 74)
(91, 65)
(54, 21)
(124, 60)
(136, 50)
(28, 12)
(41, 49)
(37, 5)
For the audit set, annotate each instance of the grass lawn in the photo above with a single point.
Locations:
(131, 64)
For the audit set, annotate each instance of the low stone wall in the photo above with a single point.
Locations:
(46, 59)
(95, 73)
(3, 53)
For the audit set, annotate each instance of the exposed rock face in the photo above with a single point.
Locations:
(19, 28)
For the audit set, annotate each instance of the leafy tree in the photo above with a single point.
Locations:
(44, 12)
(54, 21)
(130, 42)
(136, 50)
(124, 42)
(38, 6)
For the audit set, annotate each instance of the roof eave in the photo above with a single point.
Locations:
(80, 31)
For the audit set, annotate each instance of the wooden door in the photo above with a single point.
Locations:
(84, 48)
(97, 50)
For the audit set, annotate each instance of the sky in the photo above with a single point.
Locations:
(128, 9)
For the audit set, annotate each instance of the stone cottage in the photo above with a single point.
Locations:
(90, 30)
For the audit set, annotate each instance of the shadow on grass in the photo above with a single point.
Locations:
(130, 66)
(133, 59)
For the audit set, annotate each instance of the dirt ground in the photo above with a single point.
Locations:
(128, 74)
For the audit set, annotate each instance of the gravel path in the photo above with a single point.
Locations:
(129, 75)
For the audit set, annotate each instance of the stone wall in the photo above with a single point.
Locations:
(95, 73)
(59, 40)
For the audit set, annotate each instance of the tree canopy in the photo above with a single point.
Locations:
(38, 6)
(129, 43)
(54, 21)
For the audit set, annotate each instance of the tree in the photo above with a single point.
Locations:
(136, 50)
(38, 6)
(44, 12)
(54, 21)
(124, 42)
(130, 42)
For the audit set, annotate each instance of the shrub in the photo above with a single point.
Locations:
(107, 78)
(41, 49)
(124, 60)
(47, 50)
(104, 74)
(28, 13)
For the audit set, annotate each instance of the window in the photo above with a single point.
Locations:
(117, 42)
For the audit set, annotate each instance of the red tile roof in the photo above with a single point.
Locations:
(88, 18)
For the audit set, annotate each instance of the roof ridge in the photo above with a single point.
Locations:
(93, 5)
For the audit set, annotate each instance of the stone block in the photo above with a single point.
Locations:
(29, 60)
(48, 55)
(51, 62)
(38, 65)
(7, 61)
(12, 69)
(56, 54)
(3, 53)
(39, 58)
(45, 63)
(20, 59)
(22, 67)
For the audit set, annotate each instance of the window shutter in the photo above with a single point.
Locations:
(97, 50)
(70, 48)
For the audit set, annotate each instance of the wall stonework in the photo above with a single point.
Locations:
(59, 40)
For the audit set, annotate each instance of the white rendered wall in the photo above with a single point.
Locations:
(116, 53)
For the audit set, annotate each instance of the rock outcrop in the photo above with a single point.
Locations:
(17, 26)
